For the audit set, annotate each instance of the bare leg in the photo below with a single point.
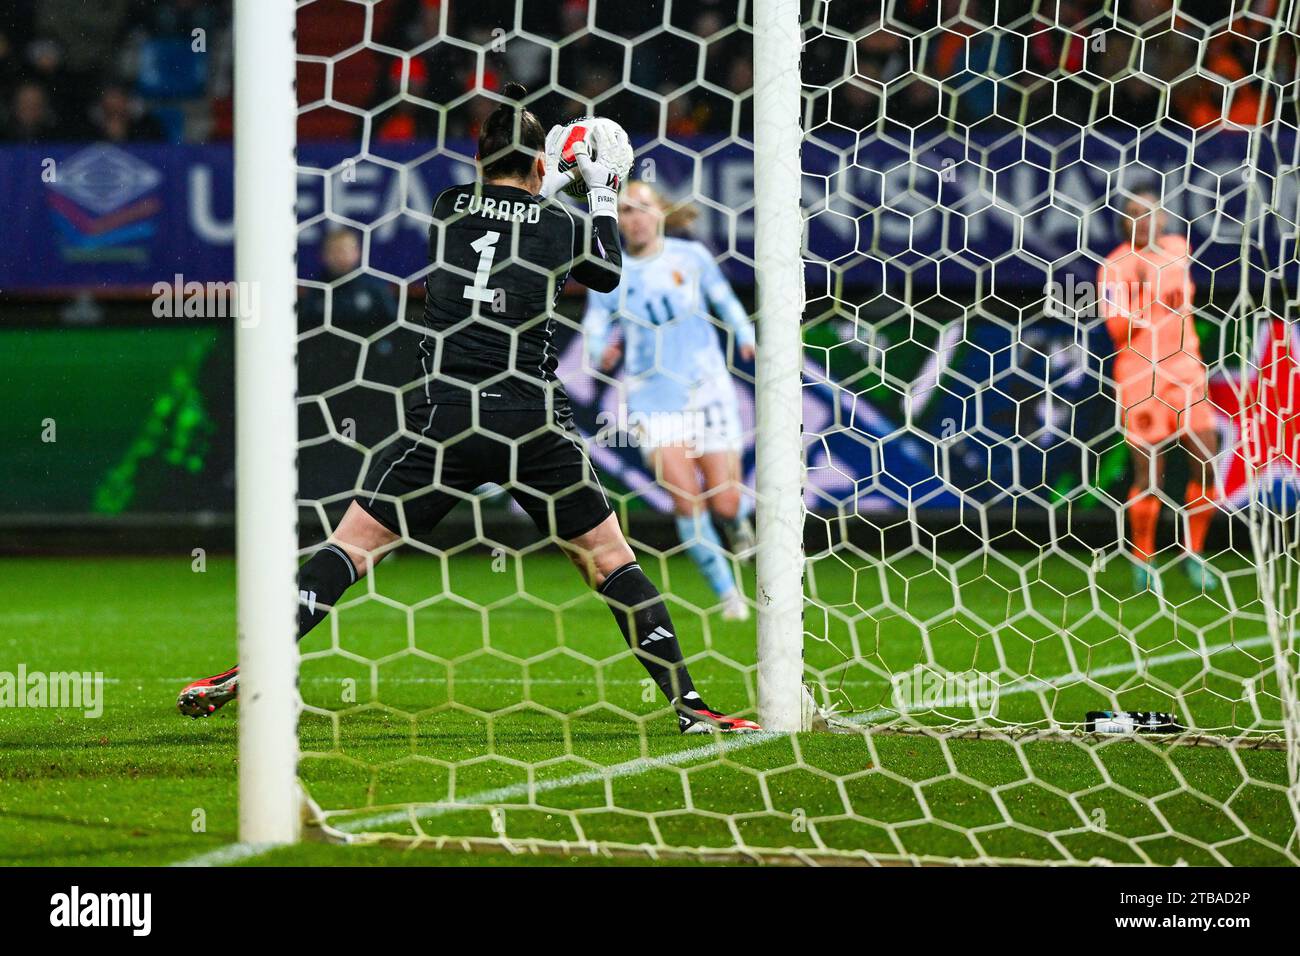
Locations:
(1202, 447)
(365, 540)
(721, 470)
(1143, 468)
(680, 477)
(599, 552)
(1144, 506)
(724, 494)
(679, 472)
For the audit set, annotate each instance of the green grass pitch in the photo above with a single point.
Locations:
(494, 699)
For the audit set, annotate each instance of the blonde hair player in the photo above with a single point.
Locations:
(681, 401)
(1160, 381)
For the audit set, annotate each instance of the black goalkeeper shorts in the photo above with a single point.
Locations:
(537, 458)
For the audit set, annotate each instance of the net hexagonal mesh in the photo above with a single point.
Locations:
(1049, 250)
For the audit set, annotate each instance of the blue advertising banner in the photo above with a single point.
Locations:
(1016, 211)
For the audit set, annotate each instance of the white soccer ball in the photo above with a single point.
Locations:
(607, 144)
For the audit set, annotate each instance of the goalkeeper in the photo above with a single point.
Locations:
(489, 408)
(1160, 380)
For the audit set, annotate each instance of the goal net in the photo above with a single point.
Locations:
(1011, 649)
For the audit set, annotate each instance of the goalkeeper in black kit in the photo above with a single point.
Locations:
(502, 252)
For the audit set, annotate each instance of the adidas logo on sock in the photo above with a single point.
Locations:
(658, 634)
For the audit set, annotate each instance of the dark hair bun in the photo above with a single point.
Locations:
(503, 117)
(511, 136)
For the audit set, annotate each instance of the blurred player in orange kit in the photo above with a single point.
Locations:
(1160, 380)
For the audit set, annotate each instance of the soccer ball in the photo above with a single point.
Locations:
(607, 143)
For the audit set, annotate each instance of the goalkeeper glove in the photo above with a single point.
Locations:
(554, 182)
(576, 154)
(601, 181)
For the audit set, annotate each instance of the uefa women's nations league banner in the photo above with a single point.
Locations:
(125, 218)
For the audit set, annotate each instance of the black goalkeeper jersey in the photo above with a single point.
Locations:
(500, 259)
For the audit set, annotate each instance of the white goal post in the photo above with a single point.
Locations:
(778, 239)
(266, 242)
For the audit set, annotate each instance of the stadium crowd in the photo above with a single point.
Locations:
(160, 70)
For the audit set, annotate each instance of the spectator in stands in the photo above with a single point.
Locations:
(118, 118)
(683, 118)
(883, 59)
(65, 91)
(590, 64)
(527, 62)
(89, 35)
(1061, 75)
(10, 70)
(1038, 62)
(177, 19)
(1200, 101)
(882, 56)
(31, 118)
(969, 59)
(414, 22)
(707, 23)
(1060, 51)
(408, 121)
(19, 23)
(361, 303)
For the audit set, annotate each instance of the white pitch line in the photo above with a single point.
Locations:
(228, 854)
(627, 769)
(719, 747)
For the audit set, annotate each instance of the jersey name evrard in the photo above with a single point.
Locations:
(503, 209)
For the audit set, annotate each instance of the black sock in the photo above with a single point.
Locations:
(648, 629)
(321, 582)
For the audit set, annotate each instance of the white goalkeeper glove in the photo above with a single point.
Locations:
(601, 181)
(598, 152)
(554, 182)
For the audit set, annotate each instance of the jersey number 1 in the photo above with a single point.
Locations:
(486, 247)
